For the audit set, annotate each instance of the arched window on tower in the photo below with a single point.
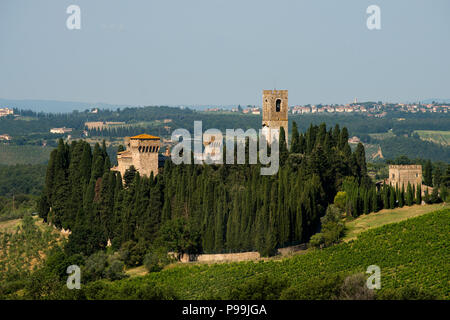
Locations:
(278, 105)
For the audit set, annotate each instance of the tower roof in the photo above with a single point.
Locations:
(145, 137)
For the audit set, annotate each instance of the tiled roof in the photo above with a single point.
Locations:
(145, 137)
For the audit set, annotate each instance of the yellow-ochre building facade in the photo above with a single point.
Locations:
(142, 152)
(401, 175)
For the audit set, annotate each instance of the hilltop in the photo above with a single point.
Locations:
(411, 254)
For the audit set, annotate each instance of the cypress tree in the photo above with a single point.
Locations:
(391, 198)
(336, 135)
(343, 138)
(428, 174)
(419, 194)
(129, 175)
(283, 147)
(375, 206)
(361, 160)
(366, 202)
(295, 140)
(409, 195)
(302, 144)
(437, 180)
(400, 197)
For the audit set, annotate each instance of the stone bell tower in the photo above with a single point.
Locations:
(275, 112)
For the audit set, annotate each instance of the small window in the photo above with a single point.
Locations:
(278, 105)
(417, 175)
(393, 175)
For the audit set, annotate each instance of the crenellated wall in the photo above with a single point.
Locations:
(142, 153)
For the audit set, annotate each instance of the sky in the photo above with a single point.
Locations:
(224, 52)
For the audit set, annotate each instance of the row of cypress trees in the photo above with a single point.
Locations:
(200, 208)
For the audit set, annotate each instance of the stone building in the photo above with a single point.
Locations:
(213, 147)
(275, 112)
(61, 130)
(5, 112)
(404, 174)
(142, 152)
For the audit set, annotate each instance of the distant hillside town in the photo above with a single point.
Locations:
(5, 112)
(371, 109)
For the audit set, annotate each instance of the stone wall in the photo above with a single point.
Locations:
(235, 257)
(145, 156)
(220, 257)
(142, 154)
(403, 174)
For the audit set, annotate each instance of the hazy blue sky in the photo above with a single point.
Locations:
(224, 52)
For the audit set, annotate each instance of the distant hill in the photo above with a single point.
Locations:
(436, 100)
(55, 106)
(410, 253)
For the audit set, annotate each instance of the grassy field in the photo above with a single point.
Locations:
(413, 252)
(353, 228)
(137, 272)
(27, 154)
(9, 226)
(386, 216)
(24, 244)
(381, 136)
(440, 137)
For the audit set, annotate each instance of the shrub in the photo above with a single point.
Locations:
(406, 293)
(132, 253)
(327, 288)
(354, 288)
(57, 262)
(332, 228)
(115, 271)
(95, 267)
(157, 258)
(128, 290)
(259, 288)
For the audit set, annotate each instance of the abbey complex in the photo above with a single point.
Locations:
(142, 151)
(207, 212)
(187, 156)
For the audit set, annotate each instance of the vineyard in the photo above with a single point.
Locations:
(23, 247)
(26, 154)
(440, 137)
(414, 252)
